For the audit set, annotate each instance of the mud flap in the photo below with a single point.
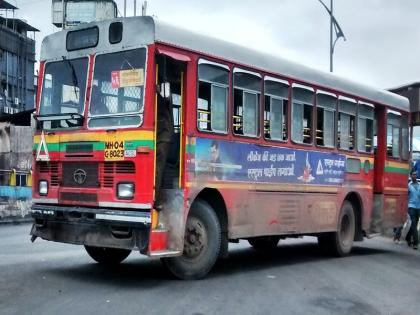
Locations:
(376, 223)
(385, 215)
(170, 222)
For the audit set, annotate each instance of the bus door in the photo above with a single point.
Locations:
(170, 107)
(390, 170)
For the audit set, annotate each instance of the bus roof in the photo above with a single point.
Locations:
(143, 30)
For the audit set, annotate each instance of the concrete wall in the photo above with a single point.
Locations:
(15, 159)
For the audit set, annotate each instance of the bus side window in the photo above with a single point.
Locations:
(346, 123)
(365, 128)
(393, 134)
(213, 87)
(246, 99)
(405, 154)
(326, 107)
(275, 110)
(302, 108)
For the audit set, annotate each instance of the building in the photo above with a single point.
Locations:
(17, 59)
(17, 100)
(82, 11)
(412, 92)
(16, 134)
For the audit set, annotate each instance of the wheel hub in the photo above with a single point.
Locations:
(195, 238)
(345, 232)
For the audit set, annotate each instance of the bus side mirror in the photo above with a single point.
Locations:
(165, 90)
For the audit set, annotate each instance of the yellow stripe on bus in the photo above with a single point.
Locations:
(360, 186)
(405, 189)
(405, 166)
(361, 158)
(98, 136)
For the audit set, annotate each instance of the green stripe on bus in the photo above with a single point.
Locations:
(189, 148)
(97, 146)
(390, 169)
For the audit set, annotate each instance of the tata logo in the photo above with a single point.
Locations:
(79, 176)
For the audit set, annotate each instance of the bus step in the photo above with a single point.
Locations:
(369, 236)
(165, 253)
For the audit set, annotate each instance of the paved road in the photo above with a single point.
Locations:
(50, 278)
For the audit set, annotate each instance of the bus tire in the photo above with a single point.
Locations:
(202, 242)
(106, 255)
(264, 243)
(340, 243)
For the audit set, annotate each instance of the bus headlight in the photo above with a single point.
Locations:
(125, 190)
(43, 187)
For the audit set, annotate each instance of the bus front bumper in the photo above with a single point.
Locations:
(92, 226)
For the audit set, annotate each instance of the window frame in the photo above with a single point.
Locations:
(87, 87)
(399, 115)
(222, 66)
(405, 122)
(93, 45)
(140, 113)
(359, 104)
(294, 101)
(348, 100)
(279, 98)
(335, 117)
(258, 95)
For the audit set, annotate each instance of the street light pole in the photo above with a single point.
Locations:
(331, 37)
(338, 31)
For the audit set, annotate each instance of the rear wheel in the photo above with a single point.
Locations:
(340, 243)
(264, 243)
(107, 255)
(202, 244)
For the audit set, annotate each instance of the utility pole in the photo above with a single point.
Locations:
(125, 8)
(135, 7)
(144, 8)
(338, 32)
(64, 15)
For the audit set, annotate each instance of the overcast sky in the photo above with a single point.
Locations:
(383, 36)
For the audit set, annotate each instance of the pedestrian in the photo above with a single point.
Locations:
(412, 237)
(417, 168)
(164, 131)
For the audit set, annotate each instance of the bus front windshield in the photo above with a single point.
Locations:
(118, 89)
(63, 93)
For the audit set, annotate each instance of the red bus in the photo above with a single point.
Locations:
(173, 144)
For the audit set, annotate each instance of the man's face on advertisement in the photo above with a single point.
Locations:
(214, 153)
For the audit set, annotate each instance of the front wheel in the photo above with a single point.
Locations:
(106, 255)
(202, 242)
(340, 243)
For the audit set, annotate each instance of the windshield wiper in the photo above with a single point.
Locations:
(73, 74)
(54, 117)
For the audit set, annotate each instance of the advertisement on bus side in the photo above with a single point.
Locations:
(230, 161)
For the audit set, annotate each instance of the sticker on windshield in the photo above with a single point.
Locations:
(127, 78)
